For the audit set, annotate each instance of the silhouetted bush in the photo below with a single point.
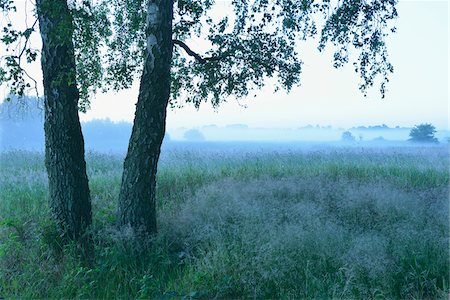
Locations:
(423, 133)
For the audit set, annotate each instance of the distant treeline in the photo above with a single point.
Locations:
(22, 124)
(105, 135)
(22, 127)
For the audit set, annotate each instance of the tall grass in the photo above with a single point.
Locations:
(322, 223)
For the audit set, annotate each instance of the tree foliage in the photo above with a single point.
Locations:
(17, 51)
(90, 27)
(260, 40)
(423, 133)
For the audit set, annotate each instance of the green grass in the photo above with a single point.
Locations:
(331, 223)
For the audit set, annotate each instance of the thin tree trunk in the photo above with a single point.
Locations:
(64, 145)
(137, 194)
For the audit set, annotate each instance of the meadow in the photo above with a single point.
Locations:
(291, 223)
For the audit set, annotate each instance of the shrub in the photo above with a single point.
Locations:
(347, 136)
(423, 133)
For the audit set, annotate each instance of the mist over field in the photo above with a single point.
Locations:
(21, 128)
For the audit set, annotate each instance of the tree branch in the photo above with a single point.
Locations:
(189, 51)
(27, 38)
(197, 56)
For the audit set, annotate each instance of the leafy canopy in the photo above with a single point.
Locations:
(90, 29)
(260, 40)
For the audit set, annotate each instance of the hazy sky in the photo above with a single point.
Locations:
(417, 92)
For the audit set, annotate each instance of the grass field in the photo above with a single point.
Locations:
(311, 223)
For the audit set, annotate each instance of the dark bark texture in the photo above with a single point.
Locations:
(64, 145)
(137, 194)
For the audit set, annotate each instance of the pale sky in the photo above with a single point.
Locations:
(418, 90)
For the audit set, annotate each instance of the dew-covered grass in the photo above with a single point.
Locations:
(302, 223)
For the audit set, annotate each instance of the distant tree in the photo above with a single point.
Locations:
(194, 135)
(423, 133)
(347, 136)
(379, 139)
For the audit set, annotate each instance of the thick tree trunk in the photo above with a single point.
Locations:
(64, 145)
(137, 194)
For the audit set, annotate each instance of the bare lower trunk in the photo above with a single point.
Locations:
(64, 144)
(137, 194)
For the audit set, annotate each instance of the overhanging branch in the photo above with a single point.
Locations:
(197, 56)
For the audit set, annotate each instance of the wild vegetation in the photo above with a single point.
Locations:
(322, 223)
(92, 45)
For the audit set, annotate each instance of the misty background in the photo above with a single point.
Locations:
(22, 128)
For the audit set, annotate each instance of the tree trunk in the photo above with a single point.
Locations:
(137, 194)
(64, 145)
